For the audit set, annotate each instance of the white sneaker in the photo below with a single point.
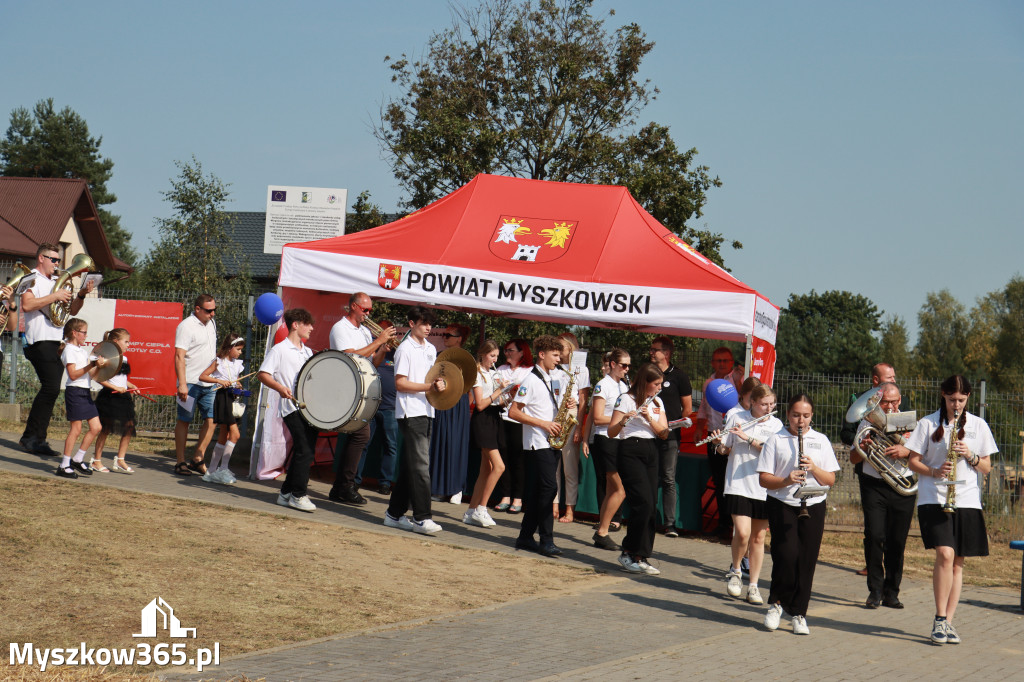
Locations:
(226, 474)
(754, 595)
(646, 568)
(629, 565)
(772, 618)
(485, 517)
(302, 503)
(456, 498)
(425, 527)
(472, 518)
(952, 636)
(402, 523)
(284, 499)
(800, 626)
(734, 582)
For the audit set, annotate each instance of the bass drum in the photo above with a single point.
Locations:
(340, 391)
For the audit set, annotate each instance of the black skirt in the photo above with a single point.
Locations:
(78, 403)
(963, 530)
(222, 402)
(487, 430)
(740, 505)
(608, 450)
(117, 412)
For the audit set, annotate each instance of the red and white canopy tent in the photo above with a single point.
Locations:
(571, 253)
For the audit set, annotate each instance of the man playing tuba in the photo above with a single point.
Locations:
(43, 339)
(887, 514)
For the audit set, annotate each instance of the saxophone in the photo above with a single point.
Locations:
(950, 505)
(564, 416)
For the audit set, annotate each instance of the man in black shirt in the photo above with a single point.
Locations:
(676, 394)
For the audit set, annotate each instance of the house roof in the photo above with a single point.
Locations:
(36, 210)
(246, 229)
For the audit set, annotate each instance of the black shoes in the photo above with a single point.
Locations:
(528, 545)
(549, 550)
(37, 447)
(347, 496)
(605, 542)
(28, 443)
(873, 601)
(384, 488)
(892, 603)
(670, 532)
(82, 468)
(66, 473)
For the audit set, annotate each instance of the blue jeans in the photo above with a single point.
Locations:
(389, 455)
(203, 396)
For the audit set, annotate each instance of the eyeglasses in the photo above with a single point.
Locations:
(657, 350)
(80, 331)
(362, 309)
(513, 349)
(209, 310)
(625, 365)
(453, 336)
(52, 259)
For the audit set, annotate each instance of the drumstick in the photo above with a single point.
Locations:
(139, 391)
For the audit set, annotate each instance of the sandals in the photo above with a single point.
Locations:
(197, 466)
(97, 465)
(182, 469)
(501, 507)
(614, 526)
(122, 467)
(515, 509)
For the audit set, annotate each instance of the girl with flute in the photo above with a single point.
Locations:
(958, 531)
(639, 418)
(744, 495)
(790, 458)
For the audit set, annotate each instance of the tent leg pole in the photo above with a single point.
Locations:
(749, 358)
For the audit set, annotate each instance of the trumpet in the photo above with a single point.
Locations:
(742, 427)
(377, 330)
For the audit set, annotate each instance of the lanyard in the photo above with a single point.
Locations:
(554, 401)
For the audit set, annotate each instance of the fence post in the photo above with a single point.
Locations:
(248, 358)
(15, 349)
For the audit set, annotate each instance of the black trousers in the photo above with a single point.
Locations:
(512, 481)
(347, 453)
(602, 443)
(795, 545)
(638, 469)
(412, 485)
(303, 442)
(718, 465)
(541, 490)
(887, 518)
(45, 359)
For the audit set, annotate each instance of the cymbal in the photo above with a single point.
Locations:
(452, 375)
(465, 362)
(112, 353)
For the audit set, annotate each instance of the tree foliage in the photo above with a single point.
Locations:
(540, 90)
(44, 143)
(194, 243)
(829, 333)
(1008, 365)
(942, 336)
(365, 215)
(894, 346)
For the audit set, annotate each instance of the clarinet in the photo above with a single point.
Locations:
(804, 514)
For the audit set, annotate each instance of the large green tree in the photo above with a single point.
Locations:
(828, 333)
(1008, 368)
(942, 336)
(540, 90)
(45, 143)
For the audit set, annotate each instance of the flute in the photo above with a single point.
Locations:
(640, 409)
(742, 427)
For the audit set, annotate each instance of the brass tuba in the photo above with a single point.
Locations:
(564, 417)
(895, 472)
(59, 311)
(20, 271)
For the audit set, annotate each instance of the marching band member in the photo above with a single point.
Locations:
(569, 464)
(795, 541)
(278, 372)
(488, 434)
(78, 399)
(610, 492)
(887, 517)
(958, 530)
(518, 363)
(638, 420)
(350, 335)
(744, 495)
(116, 407)
(535, 407)
(677, 394)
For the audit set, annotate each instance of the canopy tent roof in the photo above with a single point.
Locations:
(533, 249)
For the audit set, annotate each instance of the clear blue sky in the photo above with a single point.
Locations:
(866, 146)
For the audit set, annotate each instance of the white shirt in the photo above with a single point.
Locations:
(199, 341)
(37, 322)
(780, 455)
(513, 377)
(638, 427)
(346, 336)
(979, 440)
(413, 360)
(610, 390)
(535, 394)
(741, 476)
(485, 379)
(79, 357)
(283, 363)
(228, 369)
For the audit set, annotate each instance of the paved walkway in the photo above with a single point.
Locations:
(680, 624)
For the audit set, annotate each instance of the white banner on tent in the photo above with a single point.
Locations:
(724, 314)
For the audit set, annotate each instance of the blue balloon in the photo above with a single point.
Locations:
(269, 308)
(721, 395)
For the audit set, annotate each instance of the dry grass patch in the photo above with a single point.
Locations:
(80, 562)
